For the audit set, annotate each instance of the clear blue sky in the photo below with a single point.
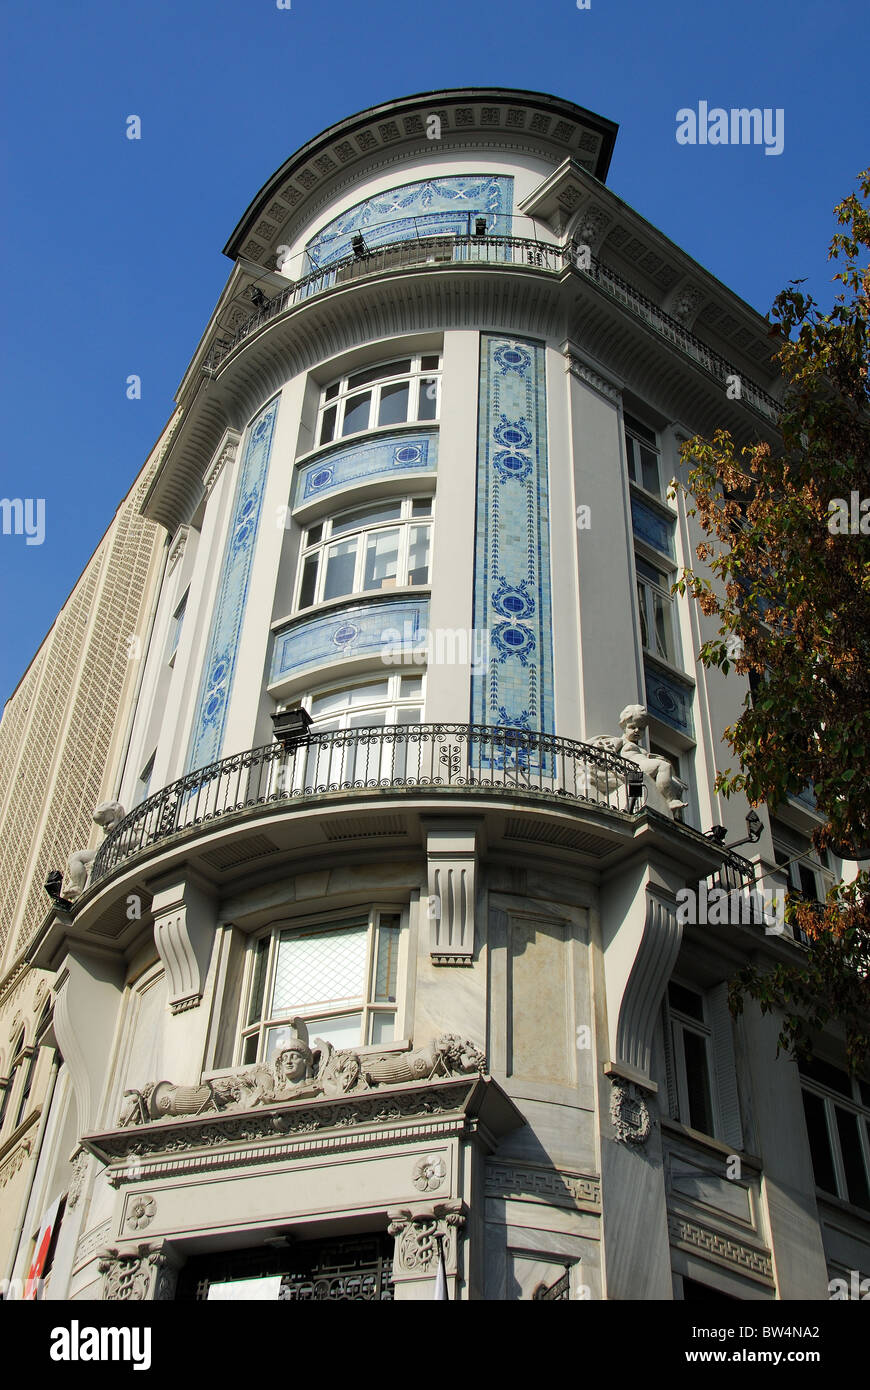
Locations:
(112, 247)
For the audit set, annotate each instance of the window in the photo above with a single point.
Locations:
(29, 1067)
(806, 877)
(341, 976)
(690, 1037)
(391, 700)
(366, 550)
(642, 454)
(393, 393)
(143, 782)
(175, 628)
(17, 1058)
(656, 610)
(680, 764)
(837, 1110)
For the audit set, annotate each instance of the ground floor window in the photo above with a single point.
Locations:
(358, 1269)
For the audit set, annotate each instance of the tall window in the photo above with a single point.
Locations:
(389, 701)
(689, 1043)
(143, 781)
(808, 878)
(643, 457)
(366, 550)
(837, 1110)
(340, 975)
(393, 393)
(656, 611)
(175, 628)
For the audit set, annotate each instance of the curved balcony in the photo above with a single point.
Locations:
(509, 251)
(434, 758)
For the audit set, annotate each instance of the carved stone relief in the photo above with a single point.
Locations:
(149, 1273)
(420, 1231)
(629, 1113)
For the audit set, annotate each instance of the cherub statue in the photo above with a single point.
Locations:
(633, 720)
(108, 814)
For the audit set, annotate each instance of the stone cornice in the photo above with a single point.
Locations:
(387, 1115)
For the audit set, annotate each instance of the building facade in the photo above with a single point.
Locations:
(380, 965)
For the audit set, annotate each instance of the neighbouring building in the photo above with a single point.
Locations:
(376, 966)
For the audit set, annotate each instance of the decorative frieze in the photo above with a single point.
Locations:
(15, 1161)
(590, 377)
(722, 1248)
(176, 550)
(226, 455)
(92, 1242)
(525, 1183)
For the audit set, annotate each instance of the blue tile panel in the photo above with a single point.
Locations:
(648, 525)
(364, 629)
(668, 698)
(430, 207)
(370, 458)
(232, 593)
(512, 547)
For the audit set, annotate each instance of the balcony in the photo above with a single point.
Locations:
(430, 759)
(471, 251)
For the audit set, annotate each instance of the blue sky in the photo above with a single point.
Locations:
(113, 247)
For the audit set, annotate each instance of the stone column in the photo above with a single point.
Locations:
(420, 1231)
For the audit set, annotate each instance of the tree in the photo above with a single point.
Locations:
(787, 529)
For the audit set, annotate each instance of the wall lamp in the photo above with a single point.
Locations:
(754, 828)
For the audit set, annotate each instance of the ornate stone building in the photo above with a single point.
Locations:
(379, 966)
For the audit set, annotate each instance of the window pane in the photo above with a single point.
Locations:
(331, 391)
(334, 699)
(250, 1052)
(318, 967)
(807, 880)
(820, 1144)
(369, 693)
(641, 610)
(409, 686)
(428, 406)
(387, 968)
(853, 1159)
(642, 431)
(418, 555)
(383, 1027)
(258, 980)
(430, 363)
(356, 413)
(314, 534)
(327, 425)
(366, 516)
(649, 465)
(340, 566)
(688, 1001)
(394, 404)
(650, 572)
(378, 373)
(342, 1030)
(421, 506)
(382, 560)
(697, 1082)
(309, 581)
(826, 1075)
(629, 454)
(662, 609)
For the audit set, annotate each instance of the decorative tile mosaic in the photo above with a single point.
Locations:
(415, 452)
(360, 630)
(232, 593)
(512, 555)
(649, 526)
(668, 698)
(430, 207)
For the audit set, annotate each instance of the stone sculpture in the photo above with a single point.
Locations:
(301, 1072)
(633, 720)
(108, 814)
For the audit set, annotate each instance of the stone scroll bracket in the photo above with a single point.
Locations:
(146, 1273)
(184, 932)
(452, 850)
(424, 1233)
(641, 937)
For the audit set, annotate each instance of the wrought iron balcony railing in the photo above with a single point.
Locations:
(505, 251)
(434, 758)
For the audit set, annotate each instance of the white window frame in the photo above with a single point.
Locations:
(854, 1105)
(142, 789)
(176, 625)
(647, 590)
(676, 1024)
(404, 524)
(368, 1006)
(345, 393)
(637, 436)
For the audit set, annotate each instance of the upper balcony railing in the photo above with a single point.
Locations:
(509, 251)
(431, 758)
